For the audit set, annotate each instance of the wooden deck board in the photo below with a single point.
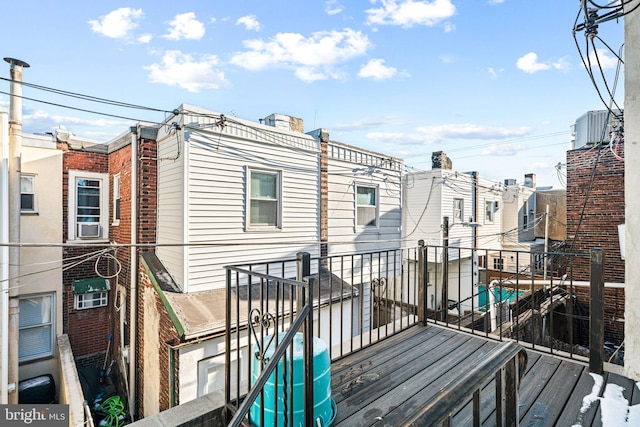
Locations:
(387, 381)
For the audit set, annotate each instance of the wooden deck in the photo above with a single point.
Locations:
(382, 384)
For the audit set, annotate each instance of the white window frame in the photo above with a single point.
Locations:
(278, 200)
(117, 201)
(51, 324)
(498, 263)
(458, 211)
(32, 177)
(74, 175)
(376, 206)
(91, 300)
(489, 212)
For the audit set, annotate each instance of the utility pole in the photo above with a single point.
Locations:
(15, 151)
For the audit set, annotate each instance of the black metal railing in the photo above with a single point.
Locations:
(264, 314)
(504, 294)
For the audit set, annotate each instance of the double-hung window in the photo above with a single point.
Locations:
(264, 199)
(88, 205)
(366, 206)
(36, 327)
(490, 211)
(28, 194)
(458, 210)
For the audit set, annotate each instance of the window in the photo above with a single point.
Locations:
(458, 210)
(27, 193)
(489, 211)
(91, 300)
(527, 215)
(90, 293)
(116, 199)
(366, 206)
(88, 206)
(264, 199)
(37, 328)
(498, 263)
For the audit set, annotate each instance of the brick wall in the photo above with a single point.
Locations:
(88, 329)
(603, 213)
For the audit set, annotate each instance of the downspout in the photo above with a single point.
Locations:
(133, 271)
(15, 149)
(4, 257)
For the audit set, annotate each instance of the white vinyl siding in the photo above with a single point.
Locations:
(210, 202)
(348, 169)
(171, 205)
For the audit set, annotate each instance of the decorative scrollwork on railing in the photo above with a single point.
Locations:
(265, 321)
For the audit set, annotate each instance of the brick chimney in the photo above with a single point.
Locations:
(439, 160)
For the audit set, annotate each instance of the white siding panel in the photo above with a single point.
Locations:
(171, 221)
(344, 235)
(217, 211)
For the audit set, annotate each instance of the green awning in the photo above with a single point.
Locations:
(93, 284)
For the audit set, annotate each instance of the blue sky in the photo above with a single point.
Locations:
(496, 84)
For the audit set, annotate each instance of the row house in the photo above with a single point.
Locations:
(141, 228)
(466, 210)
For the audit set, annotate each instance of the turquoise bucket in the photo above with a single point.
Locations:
(324, 407)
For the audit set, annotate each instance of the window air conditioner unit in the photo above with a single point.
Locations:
(88, 230)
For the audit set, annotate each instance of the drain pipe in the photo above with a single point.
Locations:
(4, 257)
(133, 271)
(15, 149)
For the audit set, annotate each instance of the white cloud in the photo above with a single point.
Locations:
(333, 7)
(369, 123)
(561, 64)
(185, 26)
(503, 150)
(144, 38)
(375, 69)
(117, 24)
(496, 1)
(182, 70)
(250, 22)
(312, 58)
(408, 13)
(40, 121)
(530, 65)
(436, 134)
(606, 61)
(494, 72)
(448, 27)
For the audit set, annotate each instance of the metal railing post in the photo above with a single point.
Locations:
(596, 312)
(304, 297)
(422, 283)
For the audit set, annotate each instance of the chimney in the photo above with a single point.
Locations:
(530, 180)
(439, 160)
(283, 121)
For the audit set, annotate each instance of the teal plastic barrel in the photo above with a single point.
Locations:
(323, 406)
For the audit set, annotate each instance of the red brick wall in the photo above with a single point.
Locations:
(88, 329)
(603, 213)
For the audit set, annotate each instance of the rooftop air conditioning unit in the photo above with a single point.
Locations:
(88, 230)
